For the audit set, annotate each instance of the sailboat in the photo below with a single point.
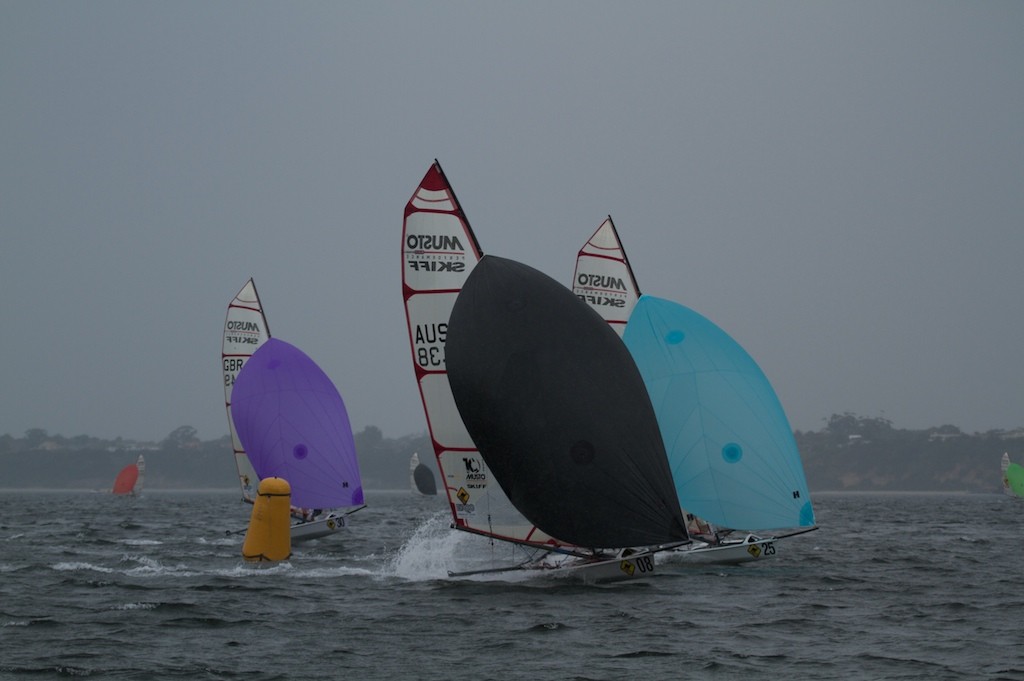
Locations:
(688, 419)
(292, 422)
(245, 331)
(560, 414)
(1013, 477)
(734, 458)
(421, 478)
(130, 479)
(439, 252)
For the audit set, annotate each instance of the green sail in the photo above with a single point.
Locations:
(1015, 478)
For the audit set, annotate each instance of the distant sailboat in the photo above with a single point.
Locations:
(421, 478)
(130, 480)
(1013, 477)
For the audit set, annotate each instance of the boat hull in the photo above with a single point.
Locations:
(618, 569)
(735, 552)
(628, 565)
(315, 529)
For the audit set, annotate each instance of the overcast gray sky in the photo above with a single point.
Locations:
(840, 186)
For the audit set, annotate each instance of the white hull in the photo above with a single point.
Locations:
(588, 570)
(618, 569)
(315, 529)
(747, 550)
(323, 526)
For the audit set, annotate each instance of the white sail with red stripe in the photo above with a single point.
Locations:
(245, 330)
(603, 278)
(439, 250)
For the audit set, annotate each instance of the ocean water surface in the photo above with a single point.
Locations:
(916, 586)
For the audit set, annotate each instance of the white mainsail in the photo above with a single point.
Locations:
(141, 465)
(603, 278)
(439, 250)
(245, 330)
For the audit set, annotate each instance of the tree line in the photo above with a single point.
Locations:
(179, 461)
(850, 453)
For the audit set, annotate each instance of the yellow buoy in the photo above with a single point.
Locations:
(269, 535)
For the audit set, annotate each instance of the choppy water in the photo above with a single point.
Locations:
(891, 587)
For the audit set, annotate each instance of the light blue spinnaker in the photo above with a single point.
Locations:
(734, 460)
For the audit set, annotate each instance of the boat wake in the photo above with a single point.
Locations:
(429, 553)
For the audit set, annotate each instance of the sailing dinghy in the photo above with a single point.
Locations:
(245, 331)
(560, 414)
(129, 481)
(604, 280)
(292, 422)
(1013, 477)
(421, 478)
(439, 252)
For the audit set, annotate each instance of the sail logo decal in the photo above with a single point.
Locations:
(242, 332)
(476, 477)
(600, 281)
(601, 300)
(465, 508)
(243, 327)
(601, 290)
(435, 266)
(435, 253)
(425, 243)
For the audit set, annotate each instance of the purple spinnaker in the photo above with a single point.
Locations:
(293, 425)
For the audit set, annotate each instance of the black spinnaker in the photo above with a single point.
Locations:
(559, 411)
